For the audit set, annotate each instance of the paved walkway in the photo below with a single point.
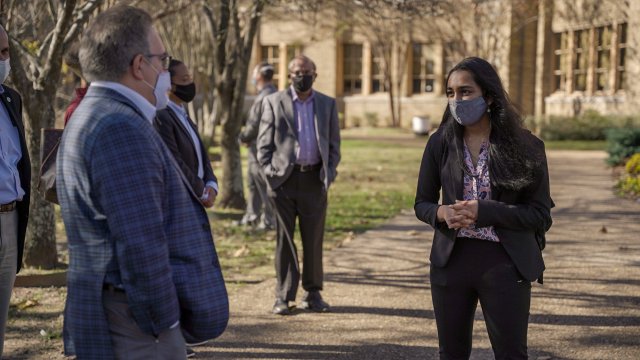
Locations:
(589, 307)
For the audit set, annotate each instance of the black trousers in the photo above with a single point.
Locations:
(480, 270)
(304, 198)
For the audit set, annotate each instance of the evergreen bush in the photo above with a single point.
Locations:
(622, 143)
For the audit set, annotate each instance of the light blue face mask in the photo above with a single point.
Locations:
(468, 112)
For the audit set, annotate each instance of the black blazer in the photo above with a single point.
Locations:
(515, 215)
(13, 103)
(179, 142)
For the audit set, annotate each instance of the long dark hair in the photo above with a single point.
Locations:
(512, 161)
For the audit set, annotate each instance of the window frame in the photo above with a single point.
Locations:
(352, 68)
(422, 76)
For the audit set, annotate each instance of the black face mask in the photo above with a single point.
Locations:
(185, 93)
(302, 83)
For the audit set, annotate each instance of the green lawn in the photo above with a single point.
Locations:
(575, 145)
(376, 179)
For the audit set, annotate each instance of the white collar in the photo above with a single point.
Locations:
(147, 108)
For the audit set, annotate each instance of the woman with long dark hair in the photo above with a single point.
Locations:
(495, 208)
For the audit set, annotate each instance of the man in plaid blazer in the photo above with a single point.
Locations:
(143, 272)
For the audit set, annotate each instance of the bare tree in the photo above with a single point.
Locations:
(40, 33)
(233, 28)
(388, 25)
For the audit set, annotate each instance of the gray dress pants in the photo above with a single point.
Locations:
(131, 343)
(259, 207)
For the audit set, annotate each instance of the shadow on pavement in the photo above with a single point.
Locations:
(584, 320)
(390, 280)
(426, 314)
(295, 351)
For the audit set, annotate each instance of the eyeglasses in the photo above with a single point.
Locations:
(164, 58)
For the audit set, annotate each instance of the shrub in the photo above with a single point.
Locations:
(591, 125)
(633, 165)
(371, 118)
(621, 144)
(629, 185)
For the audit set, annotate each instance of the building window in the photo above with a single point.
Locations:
(603, 57)
(271, 54)
(580, 59)
(450, 60)
(423, 69)
(352, 69)
(293, 51)
(621, 82)
(377, 74)
(560, 56)
(605, 69)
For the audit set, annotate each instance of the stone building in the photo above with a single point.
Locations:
(555, 57)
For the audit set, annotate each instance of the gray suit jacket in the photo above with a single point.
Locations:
(278, 137)
(249, 134)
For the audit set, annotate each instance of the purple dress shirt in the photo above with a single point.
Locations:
(309, 152)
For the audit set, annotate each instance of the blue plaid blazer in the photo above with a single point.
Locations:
(131, 218)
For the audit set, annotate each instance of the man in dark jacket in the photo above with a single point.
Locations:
(15, 182)
(259, 209)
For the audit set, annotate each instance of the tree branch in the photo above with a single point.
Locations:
(54, 55)
(23, 53)
(44, 45)
(219, 30)
(168, 12)
(81, 16)
(252, 28)
(20, 77)
(52, 9)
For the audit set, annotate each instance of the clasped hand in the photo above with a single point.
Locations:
(462, 214)
(209, 197)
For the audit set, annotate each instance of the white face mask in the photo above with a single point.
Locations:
(163, 85)
(5, 68)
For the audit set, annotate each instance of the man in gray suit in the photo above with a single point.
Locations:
(299, 151)
(257, 198)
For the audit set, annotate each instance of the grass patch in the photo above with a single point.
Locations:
(376, 180)
(575, 145)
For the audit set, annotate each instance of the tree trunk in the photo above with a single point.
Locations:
(40, 245)
(392, 107)
(232, 189)
(231, 52)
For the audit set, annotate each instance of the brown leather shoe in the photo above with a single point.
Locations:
(281, 307)
(313, 301)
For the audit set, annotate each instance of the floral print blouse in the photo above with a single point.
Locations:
(478, 186)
